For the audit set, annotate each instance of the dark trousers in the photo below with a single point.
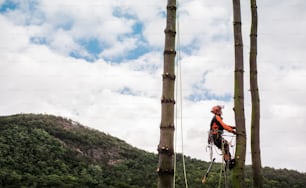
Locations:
(218, 139)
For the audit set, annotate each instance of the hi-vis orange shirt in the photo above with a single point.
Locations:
(217, 125)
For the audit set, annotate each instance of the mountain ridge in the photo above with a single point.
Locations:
(38, 150)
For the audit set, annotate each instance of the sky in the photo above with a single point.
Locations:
(99, 62)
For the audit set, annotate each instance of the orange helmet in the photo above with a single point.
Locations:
(216, 110)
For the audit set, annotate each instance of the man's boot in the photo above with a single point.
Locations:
(231, 164)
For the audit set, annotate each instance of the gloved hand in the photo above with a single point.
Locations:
(234, 132)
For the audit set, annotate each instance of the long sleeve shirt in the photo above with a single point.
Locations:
(217, 125)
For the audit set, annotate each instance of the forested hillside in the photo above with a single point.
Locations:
(50, 151)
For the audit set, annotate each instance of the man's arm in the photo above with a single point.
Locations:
(225, 126)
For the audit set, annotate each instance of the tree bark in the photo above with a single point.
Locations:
(165, 168)
(238, 176)
(255, 120)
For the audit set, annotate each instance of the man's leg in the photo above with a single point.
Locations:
(217, 140)
(227, 154)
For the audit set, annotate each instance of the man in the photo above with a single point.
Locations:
(216, 130)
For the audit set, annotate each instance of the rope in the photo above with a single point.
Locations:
(222, 146)
(181, 104)
(222, 167)
(220, 177)
(179, 85)
(175, 137)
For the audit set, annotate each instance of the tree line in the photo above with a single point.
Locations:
(50, 151)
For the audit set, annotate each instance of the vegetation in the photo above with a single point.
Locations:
(50, 151)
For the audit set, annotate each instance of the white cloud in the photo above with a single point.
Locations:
(12, 37)
(121, 48)
(122, 98)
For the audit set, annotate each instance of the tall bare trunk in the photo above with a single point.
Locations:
(238, 172)
(255, 121)
(165, 148)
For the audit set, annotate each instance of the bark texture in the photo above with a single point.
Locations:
(238, 176)
(255, 119)
(165, 168)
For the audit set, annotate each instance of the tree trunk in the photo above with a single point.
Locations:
(165, 168)
(238, 171)
(255, 121)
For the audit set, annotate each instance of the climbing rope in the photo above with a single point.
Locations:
(178, 84)
(223, 166)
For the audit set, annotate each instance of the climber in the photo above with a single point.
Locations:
(215, 135)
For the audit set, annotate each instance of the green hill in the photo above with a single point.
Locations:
(50, 151)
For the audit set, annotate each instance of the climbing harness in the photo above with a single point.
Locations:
(224, 166)
(212, 160)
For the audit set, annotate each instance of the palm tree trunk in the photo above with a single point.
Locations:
(238, 171)
(165, 148)
(255, 121)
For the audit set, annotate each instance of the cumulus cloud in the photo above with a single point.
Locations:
(100, 63)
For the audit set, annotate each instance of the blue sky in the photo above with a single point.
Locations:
(92, 44)
(99, 62)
